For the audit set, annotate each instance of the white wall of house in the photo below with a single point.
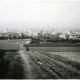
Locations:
(62, 36)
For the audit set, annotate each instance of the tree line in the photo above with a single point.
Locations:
(42, 35)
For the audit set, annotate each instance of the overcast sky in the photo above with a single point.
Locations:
(39, 14)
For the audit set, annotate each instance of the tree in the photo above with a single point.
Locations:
(40, 34)
(67, 36)
(56, 36)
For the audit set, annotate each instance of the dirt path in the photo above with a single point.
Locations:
(26, 65)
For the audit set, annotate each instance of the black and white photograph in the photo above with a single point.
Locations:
(39, 39)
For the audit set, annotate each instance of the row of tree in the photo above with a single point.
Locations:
(59, 35)
(41, 34)
(13, 36)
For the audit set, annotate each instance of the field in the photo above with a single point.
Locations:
(55, 49)
(11, 45)
(39, 62)
(54, 45)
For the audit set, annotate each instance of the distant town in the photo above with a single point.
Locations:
(26, 34)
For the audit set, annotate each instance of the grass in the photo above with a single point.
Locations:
(11, 45)
(54, 45)
(55, 49)
(5, 45)
(11, 66)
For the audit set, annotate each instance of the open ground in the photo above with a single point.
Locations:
(40, 63)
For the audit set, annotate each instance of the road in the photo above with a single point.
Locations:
(35, 65)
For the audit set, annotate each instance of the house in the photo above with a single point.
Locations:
(62, 35)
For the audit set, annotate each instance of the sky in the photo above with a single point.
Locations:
(39, 14)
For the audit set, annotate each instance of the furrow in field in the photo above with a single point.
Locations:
(63, 70)
(45, 68)
(70, 58)
(45, 65)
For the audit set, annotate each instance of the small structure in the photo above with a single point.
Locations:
(27, 49)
